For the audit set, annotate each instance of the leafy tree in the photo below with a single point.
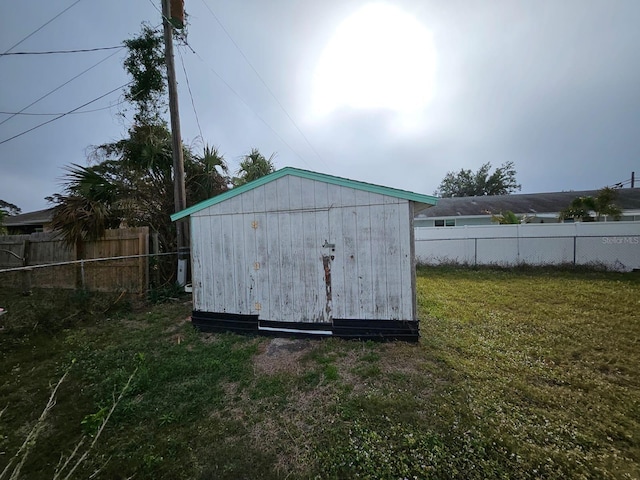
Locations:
(9, 208)
(588, 209)
(145, 64)
(466, 183)
(253, 166)
(6, 209)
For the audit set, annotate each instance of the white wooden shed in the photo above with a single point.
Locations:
(304, 253)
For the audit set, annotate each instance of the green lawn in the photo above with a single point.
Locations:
(519, 374)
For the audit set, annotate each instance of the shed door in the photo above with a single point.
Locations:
(295, 258)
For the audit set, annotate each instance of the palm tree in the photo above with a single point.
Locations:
(88, 206)
(509, 218)
(253, 166)
(207, 175)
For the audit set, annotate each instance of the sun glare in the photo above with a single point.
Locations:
(378, 58)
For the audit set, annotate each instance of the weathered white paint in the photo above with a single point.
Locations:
(261, 253)
(613, 244)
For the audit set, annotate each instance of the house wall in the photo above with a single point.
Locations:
(612, 244)
(298, 250)
(460, 221)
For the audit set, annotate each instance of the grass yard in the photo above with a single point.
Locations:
(520, 374)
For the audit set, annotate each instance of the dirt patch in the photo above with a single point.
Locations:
(400, 357)
(281, 355)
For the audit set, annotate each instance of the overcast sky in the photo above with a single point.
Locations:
(392, 93)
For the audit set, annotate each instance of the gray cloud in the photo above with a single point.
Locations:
(549, 85)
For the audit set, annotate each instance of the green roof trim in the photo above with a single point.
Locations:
(321, 177)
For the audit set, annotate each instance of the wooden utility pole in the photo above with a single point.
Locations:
(179, 194)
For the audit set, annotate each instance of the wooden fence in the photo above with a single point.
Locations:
(130, 274)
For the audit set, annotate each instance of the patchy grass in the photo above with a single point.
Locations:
(519, 374)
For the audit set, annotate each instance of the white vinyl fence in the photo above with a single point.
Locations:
(615, 245)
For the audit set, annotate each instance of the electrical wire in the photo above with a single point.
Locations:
(251, 109)
(64, 114)
(60, 86)
(41, 27)
(190, 94)
(61, 113)
(264, 83)
(51, 52)
(621, 184)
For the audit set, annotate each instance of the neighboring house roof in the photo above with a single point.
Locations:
(427, 200)
(39, 217)
(528, 203)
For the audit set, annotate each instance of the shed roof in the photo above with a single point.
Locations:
(426, 200)
(531, 203)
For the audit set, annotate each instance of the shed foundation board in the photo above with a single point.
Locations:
(354, 329)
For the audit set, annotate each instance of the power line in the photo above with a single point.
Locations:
(60, 86)
(51, 52)
(264, 83)
(61, 113)
(249, 107)
(41, 27)
(64, 114)
(190, 94)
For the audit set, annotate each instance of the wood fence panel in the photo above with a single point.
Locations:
(131, 274)
(46, 248)
(123, 274)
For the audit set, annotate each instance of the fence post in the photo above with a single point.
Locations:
(26, 273)
(475, 251)
(575, 243)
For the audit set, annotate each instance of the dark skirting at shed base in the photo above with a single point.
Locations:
(405, 330)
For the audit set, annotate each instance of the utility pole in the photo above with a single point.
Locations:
(633, 179)
(179, 195)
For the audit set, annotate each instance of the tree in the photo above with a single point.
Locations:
(589, 209)
(129, 182)
(145, 64)
(87, 207)
(253, 166)
(206, 176)
(9, 208)
(6, 209)
(466, 183)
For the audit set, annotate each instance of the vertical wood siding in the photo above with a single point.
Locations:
(298, 250)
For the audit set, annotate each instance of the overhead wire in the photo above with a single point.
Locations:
(250, 108)
(190, 94)
(60, 86)
(64, 114)
(41, 27)
(621, 184)
(39, 114)
(52, 52)
(246, 59)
